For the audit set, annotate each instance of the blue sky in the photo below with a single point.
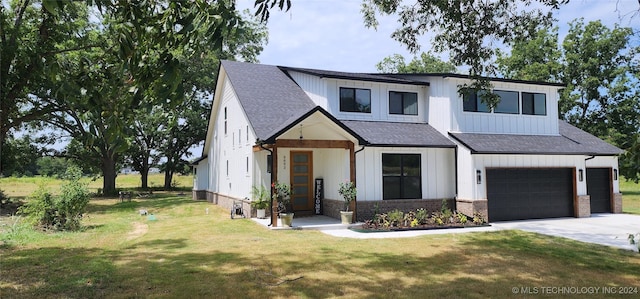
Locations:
(330, 34)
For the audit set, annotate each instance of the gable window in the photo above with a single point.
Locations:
(472, 102)
(509, 102)
(534, 103)
(225, 120)
(355, 100)
(403, 103)
(401, 176)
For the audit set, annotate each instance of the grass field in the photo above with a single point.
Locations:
(630, 196)
(187, 253)
(22, 187)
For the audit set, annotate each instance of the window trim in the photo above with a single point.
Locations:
(402, 176)
(355, 89)
(518, 99)
(402, 99)
(534, 106)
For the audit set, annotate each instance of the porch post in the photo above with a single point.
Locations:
(274, 178)
(352, 177)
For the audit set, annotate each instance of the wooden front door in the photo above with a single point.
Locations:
(301, 176)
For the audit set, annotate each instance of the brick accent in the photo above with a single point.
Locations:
(583, 208)
(367, 209)
(617, 203)
(332, 207)
(472, 206)
(199, 194)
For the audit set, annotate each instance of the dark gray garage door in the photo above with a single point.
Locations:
(529, 193)
(599, 189)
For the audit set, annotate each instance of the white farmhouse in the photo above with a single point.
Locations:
(408, 141)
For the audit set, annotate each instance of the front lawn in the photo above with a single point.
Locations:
(630, 196)
(187, 253)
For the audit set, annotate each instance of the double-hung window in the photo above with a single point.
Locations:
(534, 103)
(355, 100)
(403, 103)
(401, 176)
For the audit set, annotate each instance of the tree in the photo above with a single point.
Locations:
(21, 156)
(600, 69)
(469, 30)
(426, 63)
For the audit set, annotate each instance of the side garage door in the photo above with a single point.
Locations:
(599, 189)
(529, 193)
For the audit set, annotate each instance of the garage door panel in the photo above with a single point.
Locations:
(529, 193)
(599, 189)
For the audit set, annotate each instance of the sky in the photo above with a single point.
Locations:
(330, 34)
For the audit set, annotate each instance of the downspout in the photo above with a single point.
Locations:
(261, 144)
(455, 179)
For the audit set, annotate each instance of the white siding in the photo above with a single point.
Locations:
(478, 122)
(438, 171)
(201, 179)
(230, 152)
(315, 87)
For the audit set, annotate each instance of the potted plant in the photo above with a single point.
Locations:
(348, 192)
(282, 195)
(260, 200)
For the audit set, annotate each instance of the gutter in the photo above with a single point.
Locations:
(261, 144)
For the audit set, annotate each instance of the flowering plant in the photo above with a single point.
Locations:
(348, 192)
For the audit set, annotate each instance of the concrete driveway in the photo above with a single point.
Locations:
(606, 229)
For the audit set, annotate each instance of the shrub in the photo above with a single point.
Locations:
(4, 199)
(62, 212)
(395, 217)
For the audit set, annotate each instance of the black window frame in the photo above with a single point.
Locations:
(495, 109)
(472, 100)
(345, 107)
(402, 102)
(533, 106)
(403, 178)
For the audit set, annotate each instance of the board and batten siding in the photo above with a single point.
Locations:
(201, 179)
(606, 162)
(379, 98)
(437, 166)
(230, 152)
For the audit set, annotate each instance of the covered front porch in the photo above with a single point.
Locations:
(314, 154)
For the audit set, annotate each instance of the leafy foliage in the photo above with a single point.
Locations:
(62, 212)
(348, 191)
(469, 30)
(260, 197)
(426, 63)
(600, 69)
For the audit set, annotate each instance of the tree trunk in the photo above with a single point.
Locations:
(168, 177)
(109, 174)
(144, 173)
(2, 135)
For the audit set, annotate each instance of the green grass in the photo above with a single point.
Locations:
(189, 254)
(24, 186)
(630, 196)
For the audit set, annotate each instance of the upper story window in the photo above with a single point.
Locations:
(403, 103)
(225, 120)
(355, 100)
(509, 102)
(472, 102)
(534, 103)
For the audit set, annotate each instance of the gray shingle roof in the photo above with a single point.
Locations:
(378, 133)
(268, 96)
(572, 141)
(356, 76)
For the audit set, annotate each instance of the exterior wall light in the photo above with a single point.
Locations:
(615, 174)
(580, 175)
(478, 177)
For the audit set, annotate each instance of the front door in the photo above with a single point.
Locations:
(302, 182)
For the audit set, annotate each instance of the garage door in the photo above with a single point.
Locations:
(599, 189)
(529, 193)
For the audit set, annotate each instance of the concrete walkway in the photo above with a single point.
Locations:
(605, 229)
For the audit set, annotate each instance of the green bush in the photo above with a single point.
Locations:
(62, 212)
(4, 199)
